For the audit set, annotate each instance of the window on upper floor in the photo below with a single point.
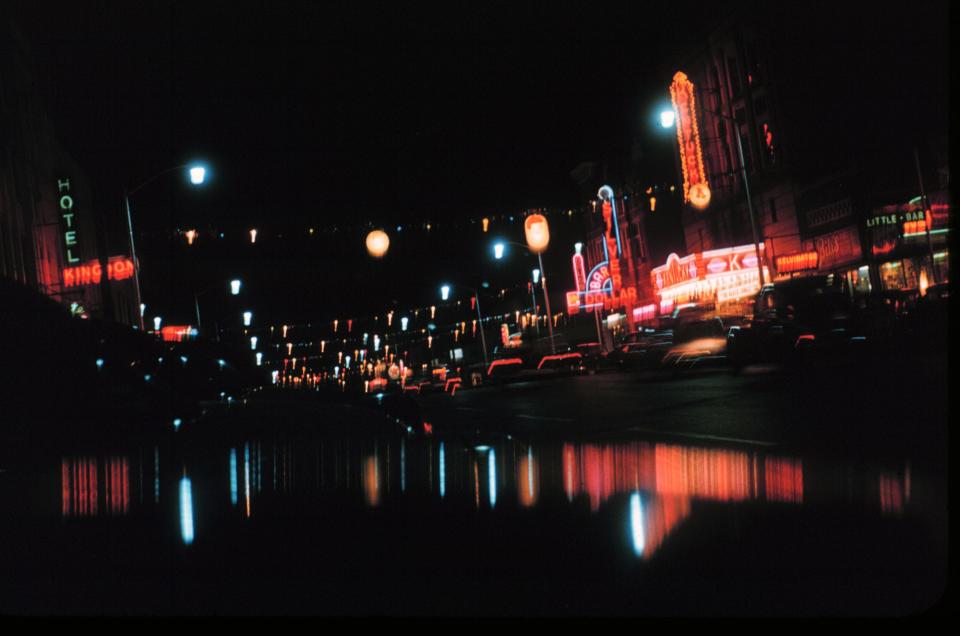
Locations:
(768, 144)
(733, 72)
(755, 70)
(760, 105)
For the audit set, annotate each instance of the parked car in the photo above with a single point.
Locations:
(642, 350)
(796, 320)
(697, 342)
(593, 358)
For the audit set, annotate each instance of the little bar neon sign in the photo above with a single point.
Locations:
(90, 273)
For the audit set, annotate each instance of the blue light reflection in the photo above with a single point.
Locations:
(186, 511)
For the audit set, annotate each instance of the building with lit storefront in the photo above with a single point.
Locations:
(611, 269)
(51, 236)
(904, 241)
(731, 79)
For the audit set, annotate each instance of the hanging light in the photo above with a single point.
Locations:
(537, 233)
(377, 243)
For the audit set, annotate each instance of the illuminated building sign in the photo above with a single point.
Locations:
(835, 248)
(688, 138)
(177, 333)
(600, 279)
(798, 262)
(90, 273)
(647, 312)
(600, 292)
(894, 226)
(70, 246)
(579, 272)
(722, 275)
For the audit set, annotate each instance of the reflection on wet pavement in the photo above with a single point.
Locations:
(662, 480)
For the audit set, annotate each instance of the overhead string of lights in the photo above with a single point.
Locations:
(255, 232)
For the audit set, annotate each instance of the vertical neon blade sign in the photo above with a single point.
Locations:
(688, 134)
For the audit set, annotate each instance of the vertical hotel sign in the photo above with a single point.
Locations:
(70, 245)
(696, 190)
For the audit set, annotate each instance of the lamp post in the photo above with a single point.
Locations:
(668, 122)
(197, 175)
(445, 294)
(234, 290)
(498, 252)
(533, 298)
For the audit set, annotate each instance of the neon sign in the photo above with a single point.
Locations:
(177, 333)
(726, 274)
(66, 212)
(118, 268)
(797, 262)
(688, 137)
(579, 272)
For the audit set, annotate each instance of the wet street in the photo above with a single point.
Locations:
(706, 494)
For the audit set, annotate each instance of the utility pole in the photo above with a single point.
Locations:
(925, 205)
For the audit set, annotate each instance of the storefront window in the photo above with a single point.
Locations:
(911, 273)
(891, 275)
(858, 281)
(941, 261)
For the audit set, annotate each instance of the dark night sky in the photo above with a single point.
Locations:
(305, 113)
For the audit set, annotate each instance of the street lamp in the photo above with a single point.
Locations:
(533, 299)
(743, 173)
(667, 118)
(247, 318)
(445, 293)
(377, 243)
(540, 238)
(156, 323)
(197, 175)
(234, 291)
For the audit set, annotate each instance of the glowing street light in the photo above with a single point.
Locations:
(197, 174)
(247, 318)
(235, 287)
(156, 323)
(253, 343)
(537, 233)
(377, 243)
(253, 235)
(445, 292)
(667, 118)
(536, 276)
(498, 250)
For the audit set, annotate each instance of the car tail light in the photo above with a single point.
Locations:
(806, 337)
